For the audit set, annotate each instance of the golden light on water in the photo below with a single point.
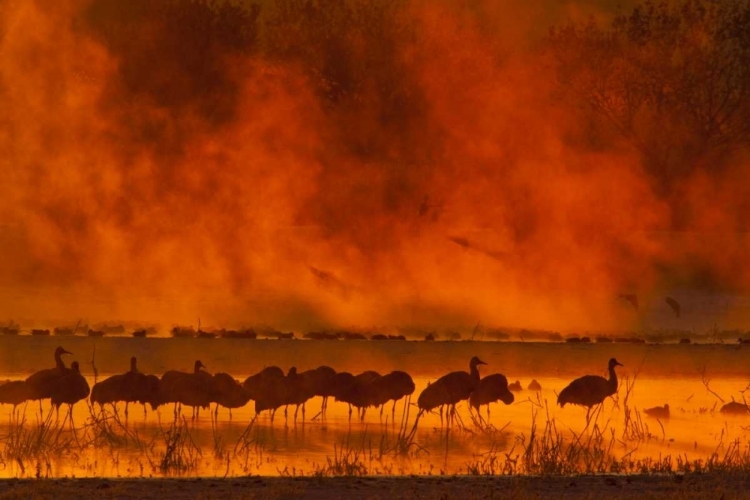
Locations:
(136, 445)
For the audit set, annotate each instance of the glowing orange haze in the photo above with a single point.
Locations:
(502, 218)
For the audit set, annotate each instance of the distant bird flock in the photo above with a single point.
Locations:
(271, 389)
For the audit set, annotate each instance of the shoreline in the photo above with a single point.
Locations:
(672, 486)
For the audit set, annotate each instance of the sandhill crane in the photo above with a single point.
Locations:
(272, 391)
(70, 388)
(321, 382)
(129, 387)
(515, 386)
(342, 389)
(359, 392)
(535, 386)
(227, 392)
(491, 388)
(390, 387)
(311, 383)
(352, 390)
(674, 305)
(42, 383)
(254, 384)
(450, 389)
(590, 390)
(14, 393)
(660, 412)
(189, 389)
(299, 388)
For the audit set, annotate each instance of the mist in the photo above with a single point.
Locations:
(353, 165)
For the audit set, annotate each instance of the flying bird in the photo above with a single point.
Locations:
(590, 390)
(674, 305)
(631, 298)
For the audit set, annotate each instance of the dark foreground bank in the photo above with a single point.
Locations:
(705, 486)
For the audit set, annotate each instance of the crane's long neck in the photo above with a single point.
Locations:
(612, 380)
(474, 373)
(58, 361)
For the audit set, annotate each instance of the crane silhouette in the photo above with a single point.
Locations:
(450, 389)
(69, 389)
(42, 383)
(491, 388)
(14, 392)
(390, 387)
(129, 387)
(590, 390)
(225, 391)
(188, 389)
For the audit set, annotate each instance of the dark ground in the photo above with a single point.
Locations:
(708, 486)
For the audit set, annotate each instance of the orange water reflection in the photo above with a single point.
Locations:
(695, 430)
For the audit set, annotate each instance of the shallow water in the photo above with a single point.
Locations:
(673, 374)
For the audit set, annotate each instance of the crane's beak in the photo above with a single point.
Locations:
(617, 363)
(65, 352)
(481, 362)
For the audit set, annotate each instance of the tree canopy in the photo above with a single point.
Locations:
(672, 78)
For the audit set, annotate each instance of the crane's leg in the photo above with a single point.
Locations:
(350, 412)
(70, 412)
(393, 413)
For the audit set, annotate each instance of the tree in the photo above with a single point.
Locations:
(352, 52)
(672, 78)
(175, 53)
